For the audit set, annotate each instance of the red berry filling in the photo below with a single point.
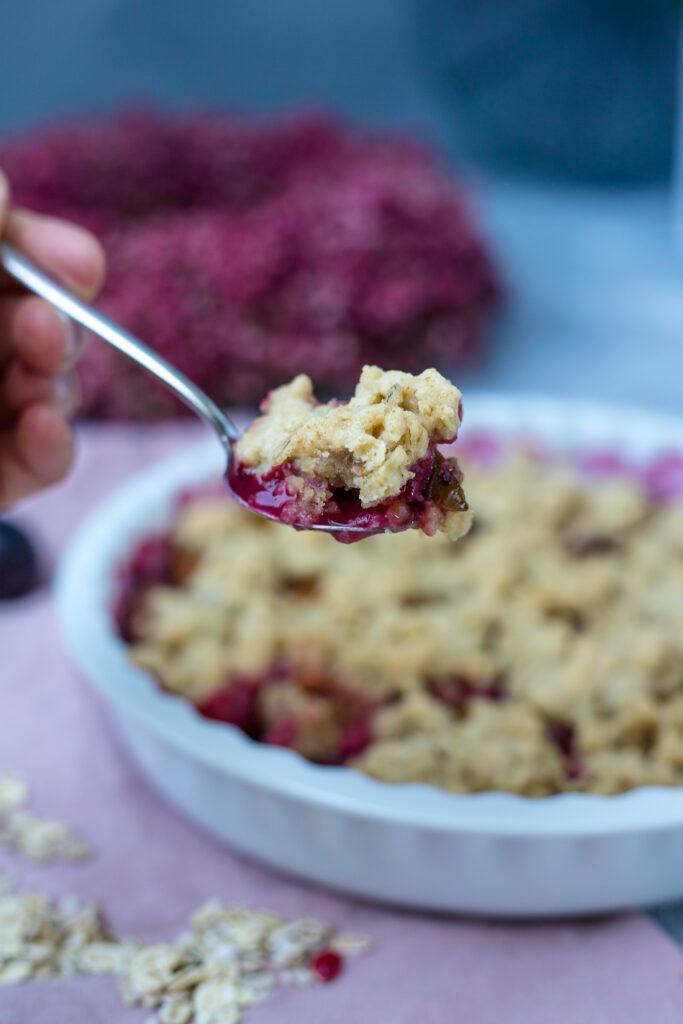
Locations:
(155, 560)
(148, 564)
(235, 704)
(282, 734)
(308, 711)
(434, 489)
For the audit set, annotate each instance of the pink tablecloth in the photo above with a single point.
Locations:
(152, 868)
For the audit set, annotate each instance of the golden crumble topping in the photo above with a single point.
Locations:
(369, 444)
(542, 653)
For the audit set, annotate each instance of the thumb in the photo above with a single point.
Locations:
(4, 200)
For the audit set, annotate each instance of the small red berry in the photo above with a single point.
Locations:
(327, 964)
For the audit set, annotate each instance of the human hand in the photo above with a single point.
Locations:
(38, 349)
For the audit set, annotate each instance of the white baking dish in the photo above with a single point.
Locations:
(491, 853)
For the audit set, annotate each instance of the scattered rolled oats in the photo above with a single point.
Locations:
(229, 959)
(106, 957)
(256, 988)
(351, 945)
(40, 938)
(40, 839)
(14, 972)
(152, 968)
(13, 791)
(188, 977)
(175, 1010)
(301, 976)
(291, 944)
(214, 997)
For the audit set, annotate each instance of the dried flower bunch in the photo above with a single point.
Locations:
(247, 252)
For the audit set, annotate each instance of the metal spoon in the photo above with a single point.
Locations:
(36, 280)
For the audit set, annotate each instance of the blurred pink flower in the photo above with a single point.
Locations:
(246, 252)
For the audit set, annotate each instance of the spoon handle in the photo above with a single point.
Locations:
(25, 271)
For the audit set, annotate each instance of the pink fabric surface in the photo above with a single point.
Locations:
(152, 868)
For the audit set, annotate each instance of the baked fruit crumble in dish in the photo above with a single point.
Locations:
(542, 653)
(365, 466)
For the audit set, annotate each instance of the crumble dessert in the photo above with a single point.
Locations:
(542, 653)
(369, 464)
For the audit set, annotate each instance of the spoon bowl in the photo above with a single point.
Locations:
(248, 491)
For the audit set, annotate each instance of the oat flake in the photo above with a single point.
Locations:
(39, 839)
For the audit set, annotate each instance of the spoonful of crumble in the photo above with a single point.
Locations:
(359, 467)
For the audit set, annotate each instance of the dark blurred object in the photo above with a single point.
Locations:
(18, 563)
(573, 89)
(247, 252)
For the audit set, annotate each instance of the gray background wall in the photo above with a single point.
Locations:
(580, 87)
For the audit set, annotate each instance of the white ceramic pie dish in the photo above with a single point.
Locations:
(493, 854)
